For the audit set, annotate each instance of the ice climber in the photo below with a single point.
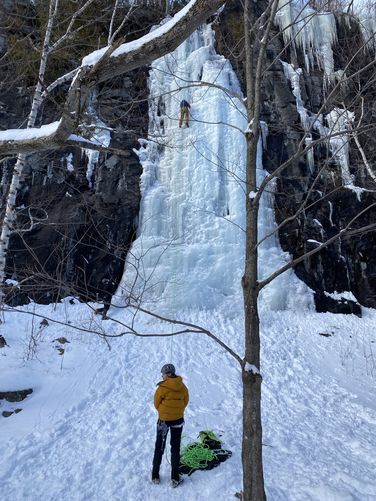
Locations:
(184, 113)
(170, 400)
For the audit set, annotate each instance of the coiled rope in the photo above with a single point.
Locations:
(196, 456)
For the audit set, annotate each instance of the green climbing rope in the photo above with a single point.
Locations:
(196, 456)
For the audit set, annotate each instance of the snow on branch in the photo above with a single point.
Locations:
(105, 64)
(59, 81)
(252, 369)
(28, 134)
(94, 57)
(162, 40)
(90, 144)
(13, 141)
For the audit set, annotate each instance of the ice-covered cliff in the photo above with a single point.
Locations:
(190, 245)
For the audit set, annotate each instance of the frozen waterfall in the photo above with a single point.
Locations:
(189, 250)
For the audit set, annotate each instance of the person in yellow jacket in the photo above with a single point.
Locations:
(170, 399)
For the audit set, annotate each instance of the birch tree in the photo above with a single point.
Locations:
(9, 216)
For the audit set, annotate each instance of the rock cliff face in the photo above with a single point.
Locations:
(329, 204)
(86, 227)
(85, 219)
(77, 213)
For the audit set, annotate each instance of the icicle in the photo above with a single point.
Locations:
(309, 154)
(330, 213)
(339, 121)
(312, 32)
(307, 121)
(366, 13)
(101, 135)
(70, 166)
(264, 133)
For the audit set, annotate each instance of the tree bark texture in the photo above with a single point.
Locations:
(253, 477)
(253, 487)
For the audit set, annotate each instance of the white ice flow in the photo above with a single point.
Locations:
(100, 134)
(190, 246)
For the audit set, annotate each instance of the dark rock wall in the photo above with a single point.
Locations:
(85, 228)
(82, 228)
(349, 264)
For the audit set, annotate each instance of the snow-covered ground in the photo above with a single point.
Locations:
(87, 431)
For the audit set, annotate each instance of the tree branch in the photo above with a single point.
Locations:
(193, 328)
(112, 61)
(325, 244)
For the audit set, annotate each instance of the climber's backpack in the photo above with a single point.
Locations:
(203, 455)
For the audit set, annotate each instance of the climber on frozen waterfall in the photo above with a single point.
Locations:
(184, 113)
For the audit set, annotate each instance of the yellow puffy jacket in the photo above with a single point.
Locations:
(171, 398)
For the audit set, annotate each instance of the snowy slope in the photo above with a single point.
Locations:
(87, 431)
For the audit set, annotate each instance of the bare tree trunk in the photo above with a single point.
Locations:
(10, 213)
(253, 478)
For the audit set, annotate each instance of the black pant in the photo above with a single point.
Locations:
(176, 428)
